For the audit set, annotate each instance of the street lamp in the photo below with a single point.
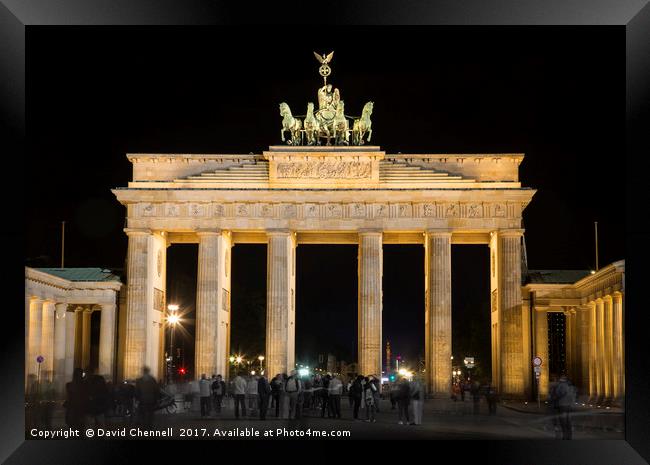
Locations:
(261, 359)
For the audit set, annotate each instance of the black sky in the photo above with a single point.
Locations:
(554, 93)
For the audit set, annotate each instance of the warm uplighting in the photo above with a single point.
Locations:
(261, 358)
(173, 319)
(239, 359)
(232, 359)
(593, 272)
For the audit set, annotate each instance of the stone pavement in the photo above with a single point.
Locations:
(442, 419)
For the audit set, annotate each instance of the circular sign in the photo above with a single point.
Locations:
(537, 361)
(40, 359)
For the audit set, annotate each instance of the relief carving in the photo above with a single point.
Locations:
(381, 211)
(148, 210)
(499, 210)
(267, 210)
(171, 210)
(474, 210)
(334, 211)
(289, 211)
(219, 210)
(404, 210)
(242, 210)
(196, 210)
(358, 210)
(429, 210)
(325, 169)
(451, 211)
(311, 211)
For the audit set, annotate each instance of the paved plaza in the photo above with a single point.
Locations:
(442, 419)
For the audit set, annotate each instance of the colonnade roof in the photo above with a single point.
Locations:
(82, 274)
(555, 276)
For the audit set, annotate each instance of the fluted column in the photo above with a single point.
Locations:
(70, 344)
(280, 302)
(135, 348)
(60, 326)
(35, 333)
(541, 348)
(107, 341)
(85, 338)
(608, 353)
(593, 374)
(47, 341)
(568, 341)
(618, 390)
(438, 311)
(207, 295)
(600, 349)
(511, 328)
(584, 318)
(370, 302)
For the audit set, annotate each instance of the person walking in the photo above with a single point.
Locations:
(251, 395)
(455, 391)
(334, 396)
(463, 387)
(393, 393)
(356, 391)
(403, 401)
(417, 402)
(369, 399)
(98, 396)
(284, 398)
(239, 390)
(204, 394)
(308, 393)
(76, 401)
(348, 387)
(276, 388)
(146, 393)
(263, 392)
(218, 391)
(293, 387)
(565, 394)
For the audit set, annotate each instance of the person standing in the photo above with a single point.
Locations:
(403, 401)
(204, 394)
(475, 391)
(218, 391)
(284, 397)
(263, 392)
(334, 396)
(491, 398)
(98, 396)
(417, 401)
(369, 399)
(349, 386)
(146, 393)
(356, 390)
(276, 388)
(239, 390)
(325, 397)
(377, 391)
(292, 387)
(565, 394)
(251, 394)
(308, 393)
(76, 401)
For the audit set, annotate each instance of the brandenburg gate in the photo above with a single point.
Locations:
(327, 186)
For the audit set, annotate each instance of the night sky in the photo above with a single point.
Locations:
(555, 94)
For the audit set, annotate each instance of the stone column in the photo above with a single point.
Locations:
(207, 296)
(135, 348)
(85, 338)
(47, 341)
(511, 328)
(280, 302)
(618, 390)
(28, 304)
(600, 350)
(60, 326)
(541, 348)
(70, 344)
(35, 333)
(370, 272)
(593, 375)
(608, 353)
(568, 341)
(438, 311)
(107, 341)
(583, 314)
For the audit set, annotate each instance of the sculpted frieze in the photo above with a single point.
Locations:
(324, 169)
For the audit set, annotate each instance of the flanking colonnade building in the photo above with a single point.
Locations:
(293, 195)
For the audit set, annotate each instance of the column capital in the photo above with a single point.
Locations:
(208, 232)
(138, 231)
(370, 232)
(510, 232)
(278, 232)
(439, 232)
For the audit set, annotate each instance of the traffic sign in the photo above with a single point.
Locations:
(40, 359)
(469, 362)
(537, 370)
(537, 361)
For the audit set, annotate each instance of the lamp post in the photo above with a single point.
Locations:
(172, 320)
(261, 359)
